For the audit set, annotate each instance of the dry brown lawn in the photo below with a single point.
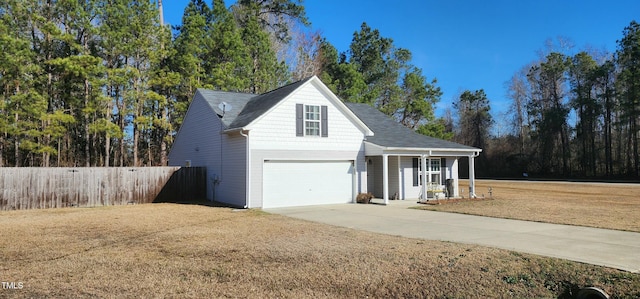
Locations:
(602, 205)
(190, 251)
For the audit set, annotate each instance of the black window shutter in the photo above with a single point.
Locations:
(443, 170)
(415, 172)
(299, 120)
(324, 125)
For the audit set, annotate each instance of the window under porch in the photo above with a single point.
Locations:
(405, 176)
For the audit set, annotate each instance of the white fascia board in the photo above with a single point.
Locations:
(341, 106)
(458, 151)
(274, 107)
(372, 149)
(331, 96)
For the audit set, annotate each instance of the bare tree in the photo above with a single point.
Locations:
(519, 92)
(308, 61)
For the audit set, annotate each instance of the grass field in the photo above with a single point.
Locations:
(172, 250)
(612, 206)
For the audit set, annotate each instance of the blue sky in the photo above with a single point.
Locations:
(468, 44)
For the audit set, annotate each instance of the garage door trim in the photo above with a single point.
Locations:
(300, 182)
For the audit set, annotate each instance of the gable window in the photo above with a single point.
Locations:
(311, 120)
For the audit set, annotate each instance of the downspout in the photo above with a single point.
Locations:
(248, 167)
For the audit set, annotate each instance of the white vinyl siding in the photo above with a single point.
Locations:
(277, 129)
(274, 137)
(198, 137)
(374, 175)
(394, 176)
(235, 176)
(406, 168)
(199, 141)
(232, 187)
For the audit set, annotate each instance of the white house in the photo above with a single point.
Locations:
(301, 145)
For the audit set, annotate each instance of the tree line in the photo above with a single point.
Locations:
(572, 115)
(106, 83)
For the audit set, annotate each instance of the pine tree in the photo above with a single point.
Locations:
(339, 75)
(227, 62)
(474, 118)
(370, 53)
(265, 23)
(628, 59)
(418, 98)
(164, 82)
(131, 36)
(114, 49)
(191, 46)
(549, 112)
(275, 16)
(581, 74)
(265, 73)
(77, 82)
(187, 56)
(146, 54)
(16, 72)
(22, 103)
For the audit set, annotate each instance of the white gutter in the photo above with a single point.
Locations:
(235, 130)
(248, 167)
(410, 151)
(475, 150)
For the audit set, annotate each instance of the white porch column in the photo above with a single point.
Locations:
(456, 177)
(385, 178)
(472, 177)
(423, 163)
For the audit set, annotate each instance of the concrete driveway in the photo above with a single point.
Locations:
(615, 249)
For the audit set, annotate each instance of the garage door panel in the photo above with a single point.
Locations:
(299, 183)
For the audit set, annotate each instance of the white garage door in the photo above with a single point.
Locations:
(302, 183)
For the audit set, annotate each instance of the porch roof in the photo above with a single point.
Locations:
(391, 136)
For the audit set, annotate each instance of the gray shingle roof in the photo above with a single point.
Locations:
(389, 133)
(245, 107)
(236, 100)
(258, 105)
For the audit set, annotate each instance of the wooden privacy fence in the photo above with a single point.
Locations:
(39, 187)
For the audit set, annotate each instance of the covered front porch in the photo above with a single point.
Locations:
(416, 174)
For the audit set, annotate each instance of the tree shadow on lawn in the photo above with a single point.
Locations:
(198, 202)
